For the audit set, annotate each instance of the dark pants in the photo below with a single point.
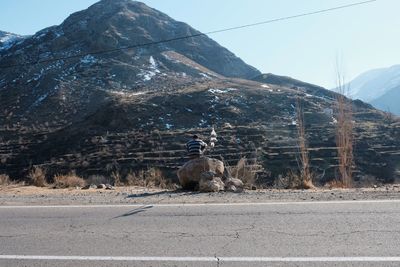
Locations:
(194, 156)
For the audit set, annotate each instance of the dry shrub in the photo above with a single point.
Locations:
(4, 179)
(133, 179)
(155, 178)
(243, 171)
(335, 183)
(150, 178)
(116, 177)
(293, 180)
(37, 177)
(303, 161)
(344, 134)
(68, 180)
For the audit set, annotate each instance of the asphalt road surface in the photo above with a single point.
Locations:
(348, 233)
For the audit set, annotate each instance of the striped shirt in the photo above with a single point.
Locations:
(195, 147)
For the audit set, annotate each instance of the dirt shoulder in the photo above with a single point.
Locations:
(29, 195)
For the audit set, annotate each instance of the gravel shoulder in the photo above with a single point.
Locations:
(29, 195)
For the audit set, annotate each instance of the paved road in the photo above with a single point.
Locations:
(283, 234)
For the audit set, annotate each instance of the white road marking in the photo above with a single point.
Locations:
(206, 204)
(202, 259)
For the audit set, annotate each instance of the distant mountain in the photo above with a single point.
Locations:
(389, 101)
(65, 104)
(8, 39)
(377, 87)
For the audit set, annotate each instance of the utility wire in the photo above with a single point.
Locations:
(190, 36)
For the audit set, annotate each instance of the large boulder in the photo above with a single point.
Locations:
(201, 169)
(207, 175)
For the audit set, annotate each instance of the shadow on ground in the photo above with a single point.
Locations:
(135, 211)
(179, 192)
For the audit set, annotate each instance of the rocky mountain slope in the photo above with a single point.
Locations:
(377, 87)
(8, 39)
(133, 109)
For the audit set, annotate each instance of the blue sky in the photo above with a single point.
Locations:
(362, 37)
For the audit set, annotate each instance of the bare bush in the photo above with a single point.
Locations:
(335, 183)
(304, 160)
(133, 179)
(155, 178)
(344, 134)
(293, 180)
(116, 177)
(150, 178)
(4, 179)
(37, 177)
(243, 171)
(68, 180)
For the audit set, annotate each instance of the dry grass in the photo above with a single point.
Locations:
(68, 180)
(150, 178)
(243, 171)
(304, 160)
(367, 181)
(335, 183)
(344, 134)
(37, 177)
(155, 178)
(116, 176)
(133, 179)
(4, 179)
(293, 180)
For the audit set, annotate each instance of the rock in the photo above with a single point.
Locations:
(109, 187)
(101, 186)
(194, 170)
(213, 185)
(253, 187)
(231, 188)
(208, 175)
(234, 185)
(89, 186)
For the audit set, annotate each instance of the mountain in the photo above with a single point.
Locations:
(72, 99)
(8, 39)
(377, 86)
(108, 25)
(121, 23)
(285, 81)
(389, 101)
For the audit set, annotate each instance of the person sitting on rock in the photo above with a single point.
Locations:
(195, 147)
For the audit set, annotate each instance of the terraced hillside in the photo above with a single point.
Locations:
(252, 120)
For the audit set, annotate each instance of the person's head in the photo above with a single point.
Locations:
(195, 137)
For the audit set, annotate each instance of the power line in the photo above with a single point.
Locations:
(190, 36)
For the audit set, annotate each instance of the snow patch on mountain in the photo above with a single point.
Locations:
(8, 40)
(89, 59)
(221, 91)
(152, 71)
